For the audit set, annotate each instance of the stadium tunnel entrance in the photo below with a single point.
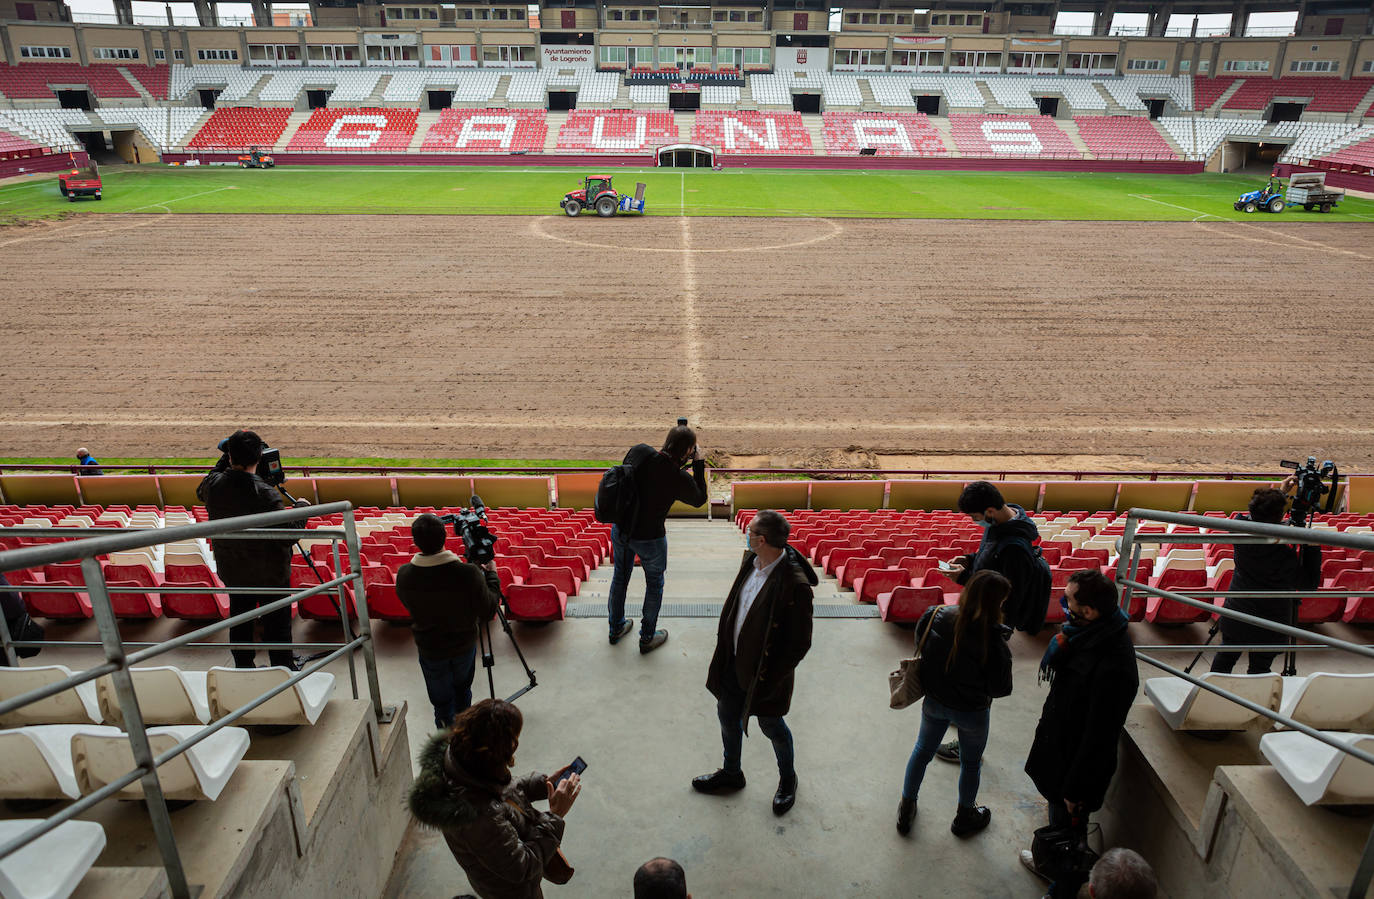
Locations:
(686, 156)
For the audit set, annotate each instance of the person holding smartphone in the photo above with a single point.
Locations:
(464, 789)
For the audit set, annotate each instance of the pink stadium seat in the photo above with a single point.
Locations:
(335, 129)
(382, 601)
(133, 604)
(1007, 135)
(241, 127)
(1128, 137)
(752, 133)
(36, 80)
(194, 606)
(888, 133)
(61, 605)
(616, 131)
(877, 581)
(908, 604)
(537, 602)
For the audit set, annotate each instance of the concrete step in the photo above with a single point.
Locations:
(815, 126)
(138, 86)
(1070, 127)
(200, 123)
(942, 125)
(990, 104)
(292, 126)
(1363, 106)
(374, 99)
(1215, 109)
(1168, 139)
(498, 98)
(555, 121)
(423, 122)
(1113, 107)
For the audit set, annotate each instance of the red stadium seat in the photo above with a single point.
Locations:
(536, 602)
(876, 581)
(382, 601)
(908, 604)
(563, 579)
(61, 605)
(194, 606)
(133, 604)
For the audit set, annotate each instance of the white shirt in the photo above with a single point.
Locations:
(749, 591)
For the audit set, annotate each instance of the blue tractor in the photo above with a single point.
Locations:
(1269, 198)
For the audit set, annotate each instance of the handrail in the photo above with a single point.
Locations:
(85, 545)
(1230, 530)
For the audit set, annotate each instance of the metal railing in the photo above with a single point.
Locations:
(1233, 531)
(119, 661)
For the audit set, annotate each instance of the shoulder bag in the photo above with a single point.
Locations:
(904, 684)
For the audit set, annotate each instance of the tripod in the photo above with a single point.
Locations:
(320, 578)
(489, 658)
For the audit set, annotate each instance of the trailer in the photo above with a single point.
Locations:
(80, 182)
(1310, 191)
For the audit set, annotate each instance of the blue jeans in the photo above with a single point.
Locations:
(973, 739)
(449, 684)
(653, 557)
(730, 711)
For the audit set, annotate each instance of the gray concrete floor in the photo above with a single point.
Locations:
(646, 726)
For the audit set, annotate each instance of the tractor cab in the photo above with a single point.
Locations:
(596, 193)
(1268, 198)
(255, 158)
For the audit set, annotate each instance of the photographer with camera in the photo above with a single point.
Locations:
(1266, 566)
(448, 600)
(235, 488)
(658, 481)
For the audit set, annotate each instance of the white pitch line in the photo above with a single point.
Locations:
(1200, 213)
(163, 205)
(696, 380)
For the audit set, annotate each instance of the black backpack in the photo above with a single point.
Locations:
(617, 498)
(1031, 616)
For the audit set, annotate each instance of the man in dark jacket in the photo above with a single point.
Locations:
(233, 488)
(1091, 667)
(1266, 566)
(448, 600)
(660, 481)
(764, 632)
(88, 463)
(1008, 535)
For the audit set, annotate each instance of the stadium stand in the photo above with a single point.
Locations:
(616, 131)
(649, 94)
(164, 127)
(1200, 137)
(896, 91)
(1128, 90)
(338, 128)
(1360, 153)
(487, 131)
(1018, 92)
(1312, 139)
(1207, 91)
(1128, 136)
(1322, 94)
(355, 85)
(751, 132)
(840, 90)
(986, 135)
(406, 85)
(37, 80)
(889, 133)
(716, 95)
(12, 146)
(236, 82)
(156, 80)
(283, 86)
(237, 127)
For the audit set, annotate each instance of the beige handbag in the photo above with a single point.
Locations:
(905, 683)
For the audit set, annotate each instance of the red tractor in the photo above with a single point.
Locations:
(256, 159)
(80, 182)
(598, 194)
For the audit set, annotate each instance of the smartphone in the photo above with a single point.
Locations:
(577, 767)
(946, 565)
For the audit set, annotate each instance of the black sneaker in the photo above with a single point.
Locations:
(906, 813)
(658, 639)
(623, 631)
(948, 752)
(719, 783)
(970, 819)
(786, 796)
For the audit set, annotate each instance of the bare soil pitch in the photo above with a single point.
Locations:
(1120, 345)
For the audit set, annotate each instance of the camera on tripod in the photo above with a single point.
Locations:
(470, 526)
(1308, 498)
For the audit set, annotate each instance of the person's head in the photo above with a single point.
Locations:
(980, 612)
(1122, 874)
(980, 500)
(679, 444)
(83, 453)
(484, 738)
(769, 529)
(1268, 505)
(1091, 594)
(428, 533)
(661, 878)
(244, 449)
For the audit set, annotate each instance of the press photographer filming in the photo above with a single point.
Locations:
(448, 600)
(1270, 566)
(236, 487)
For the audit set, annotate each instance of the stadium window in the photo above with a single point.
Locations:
(1144, 65)
(159, 54)
(904, 19)
(217, 54)
(1368, 66)
(975, 20)
(718, 15)
(431, 14)
(756, 16)
(885, 18)
(940, 19)
(956, 20)
(1312, 65)
(868, 18)
(633, 15)
(851, 18)
(1245, 65)
(45, 52)
(614, 15)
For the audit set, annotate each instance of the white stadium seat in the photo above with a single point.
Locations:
(1330, 701)
(37, 763)
(77, 705)
(51, 867)
(200, 772)
(166, 695)
(1186, 706)
(1320, 774)
(230, 688)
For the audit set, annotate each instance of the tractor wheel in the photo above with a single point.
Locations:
(572, 208)
(1307, 207)
(1276, 205)
(63, 188)
(605, 207)
(1250, 207)
(1326, 207)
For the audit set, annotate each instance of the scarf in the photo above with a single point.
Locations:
(1074, 639)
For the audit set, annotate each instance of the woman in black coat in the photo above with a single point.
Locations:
(965, 664)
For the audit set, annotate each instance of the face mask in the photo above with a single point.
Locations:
(984, 524)
(748, 540)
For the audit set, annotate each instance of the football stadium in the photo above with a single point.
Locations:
(1014, 363)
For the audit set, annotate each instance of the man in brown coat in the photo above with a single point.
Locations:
(764, 632)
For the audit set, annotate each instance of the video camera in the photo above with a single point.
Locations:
(269, 466)
(1307, 499)
(470, 526)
